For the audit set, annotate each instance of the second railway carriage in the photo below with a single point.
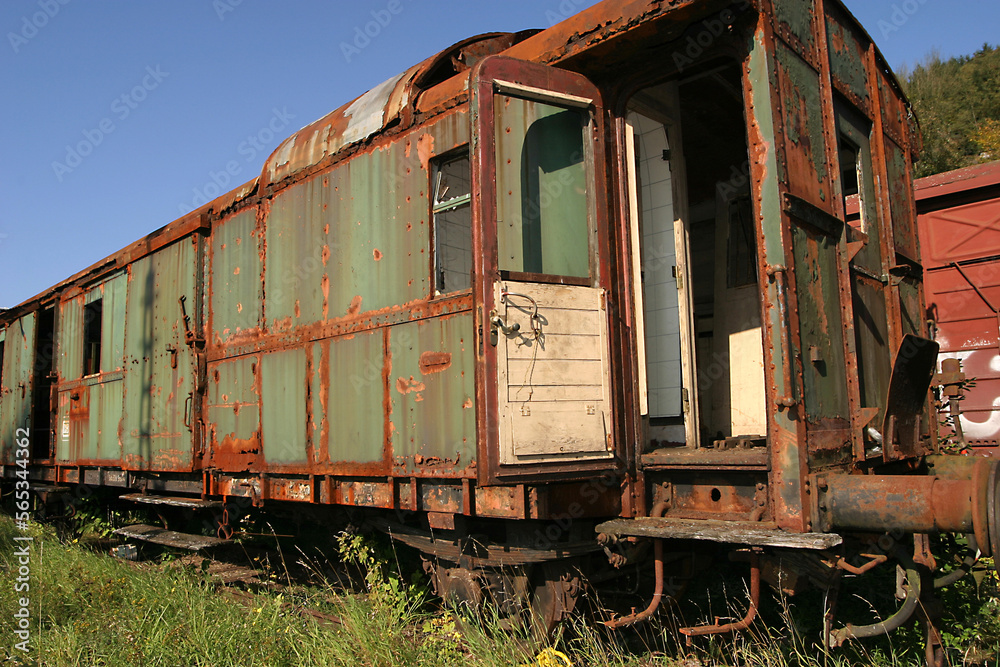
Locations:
(536, 300)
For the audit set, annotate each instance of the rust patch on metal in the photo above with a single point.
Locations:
(355, 306)
(234, 454)
(325, 287)
(404, 386)
(425, 148)
(377, 254)
(434, 362)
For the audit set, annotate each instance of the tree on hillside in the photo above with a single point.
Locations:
(957, 102)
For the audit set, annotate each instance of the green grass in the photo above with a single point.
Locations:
(90, 609)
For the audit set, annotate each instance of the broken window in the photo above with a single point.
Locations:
(452, 224)
(92, 315)
(857, 178)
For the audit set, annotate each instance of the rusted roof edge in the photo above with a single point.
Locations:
(957, 180)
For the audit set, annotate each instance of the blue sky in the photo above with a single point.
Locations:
(169, 94)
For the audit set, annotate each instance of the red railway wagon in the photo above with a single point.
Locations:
(958, 217)
(545, 304)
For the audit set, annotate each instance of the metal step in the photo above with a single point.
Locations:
(728, 532)
(169, 538)
(174, 501)
(48, 488)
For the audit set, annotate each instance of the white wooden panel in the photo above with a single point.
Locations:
(556, 346)
(559, 429)
(566, 392)
(553, 386)
(748, 411)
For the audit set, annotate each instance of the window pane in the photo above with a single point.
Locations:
(92, 315)
(452, 225)
(541, 188)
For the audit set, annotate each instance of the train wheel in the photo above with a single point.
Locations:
(528, 601)
(554, 595)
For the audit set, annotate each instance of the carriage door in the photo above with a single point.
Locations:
(543, 310)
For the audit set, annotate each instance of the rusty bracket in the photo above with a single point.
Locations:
(777, 273)
(742, 624)
(190, 337)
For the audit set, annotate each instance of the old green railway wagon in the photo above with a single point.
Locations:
(536, 301)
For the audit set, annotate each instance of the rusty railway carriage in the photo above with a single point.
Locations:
(538, 301)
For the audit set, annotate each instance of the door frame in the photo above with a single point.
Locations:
(552, 86)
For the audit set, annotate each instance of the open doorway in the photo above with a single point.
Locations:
(702, 359)
(41, 401)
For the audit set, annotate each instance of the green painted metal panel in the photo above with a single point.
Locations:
(912, 312)
(234, 414)
(236, 283)
(355, 407)
(794, 21)
(17, 383)
(847, 55)
(356, 238)
(114, 292)
(283, 407)
(158, 376)
(805, 152)
(347, 241)
(820, 325)
(69, 363)
(871, 327)
(105, 416)
(433, 391)
(901, 202)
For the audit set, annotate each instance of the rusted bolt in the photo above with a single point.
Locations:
(822, 484)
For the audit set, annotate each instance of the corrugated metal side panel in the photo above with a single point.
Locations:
(154, 434)
(114, 292)
(17, 383)
(283, 407)
(354, 398)
(105, 415)
(347, 242)
(236, 284)
(69, 363)
(432, 390)
(234, 414)
(356, 238)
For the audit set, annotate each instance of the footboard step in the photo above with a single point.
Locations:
(717, 531)
(169, 538)
(173, 501)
